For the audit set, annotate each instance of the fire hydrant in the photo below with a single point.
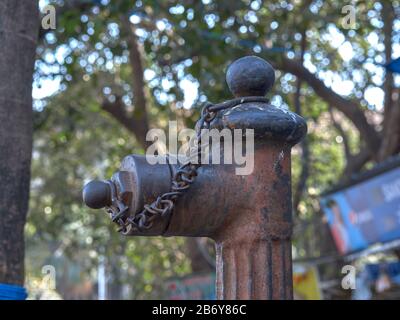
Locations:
(248, 216)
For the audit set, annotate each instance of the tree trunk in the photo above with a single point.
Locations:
(18, 35)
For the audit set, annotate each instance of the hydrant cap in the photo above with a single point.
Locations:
(250, 76)
(97, 194)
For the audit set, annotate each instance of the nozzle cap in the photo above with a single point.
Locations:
(97, 194)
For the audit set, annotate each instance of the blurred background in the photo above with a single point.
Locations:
(112, 70)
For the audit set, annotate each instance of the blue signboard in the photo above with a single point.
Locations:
(394, 66)
(365, 213)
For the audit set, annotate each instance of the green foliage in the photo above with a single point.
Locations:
(76, 143)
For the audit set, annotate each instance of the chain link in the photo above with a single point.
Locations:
(183, 178)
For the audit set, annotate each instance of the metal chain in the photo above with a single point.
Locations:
(183, 178)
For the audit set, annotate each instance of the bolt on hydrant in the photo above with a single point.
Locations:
(249, 216)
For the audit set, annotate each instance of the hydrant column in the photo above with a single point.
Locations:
(253, 244)
(253, 250)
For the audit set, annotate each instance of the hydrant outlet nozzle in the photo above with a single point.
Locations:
(97, 194)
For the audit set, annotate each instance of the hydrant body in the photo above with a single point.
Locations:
(248, 216)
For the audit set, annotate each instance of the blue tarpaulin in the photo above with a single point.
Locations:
(12, 292)
(394, 66)
(391, 269)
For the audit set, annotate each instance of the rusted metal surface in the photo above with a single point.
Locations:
(248, 216)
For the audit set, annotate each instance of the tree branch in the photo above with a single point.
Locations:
(391, 141)
(356, 162)
(137, 123)
(117, 110)
(349, 108)
(341, 131)
(388, 18)
(138, 84)
(305, 156)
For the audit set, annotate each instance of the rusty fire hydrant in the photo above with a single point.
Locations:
(248, 216)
